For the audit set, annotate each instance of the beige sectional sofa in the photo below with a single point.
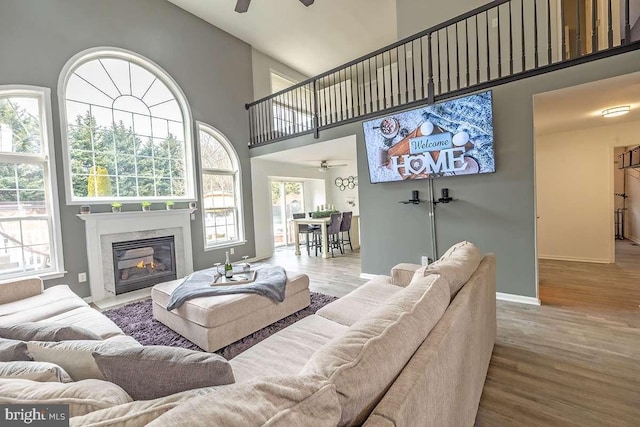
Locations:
(408, 349)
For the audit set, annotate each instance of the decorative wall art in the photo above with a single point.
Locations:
(350, 182)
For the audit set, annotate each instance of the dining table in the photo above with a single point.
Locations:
(322, 222)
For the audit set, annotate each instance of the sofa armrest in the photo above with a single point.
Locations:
(402, 274)
(17, 289)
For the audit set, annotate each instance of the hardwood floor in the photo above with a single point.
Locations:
(574, 361)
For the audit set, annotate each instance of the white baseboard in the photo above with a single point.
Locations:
(88, 300)
(367, 276)
(634, 239)
(576, 259)
(517, 298)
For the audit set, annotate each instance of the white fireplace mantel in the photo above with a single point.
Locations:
(103, 229)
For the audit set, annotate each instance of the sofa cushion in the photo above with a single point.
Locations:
(156, 371)
(51, 302)
(88, 318)
(138, 413)
(76, 357)
(45, 331)
(82, 396)
(11, 350)
(295, 401)
(365, 360)
(353, 306)
(34, 371)
(457, 265)
(285, 352)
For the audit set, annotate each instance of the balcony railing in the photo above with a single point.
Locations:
(502, 41)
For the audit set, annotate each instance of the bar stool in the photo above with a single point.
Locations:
(333, 237)
(345, 227)
(305, 229)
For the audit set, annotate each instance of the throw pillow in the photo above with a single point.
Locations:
(42, 331)
(301, 400)
(76, 357)
(11, 350)
(82, 396)
(34, 371)
(157, 371)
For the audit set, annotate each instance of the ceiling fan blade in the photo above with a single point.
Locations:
(242, 6)
(307, 2)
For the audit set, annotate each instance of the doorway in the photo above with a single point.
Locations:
(287, 198)
(586, 258)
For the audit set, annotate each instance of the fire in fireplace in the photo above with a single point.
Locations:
(142, 263)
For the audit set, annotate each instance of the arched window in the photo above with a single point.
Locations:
(221, 195)
(127, 128)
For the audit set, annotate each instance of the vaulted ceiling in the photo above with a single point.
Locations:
(309, 39)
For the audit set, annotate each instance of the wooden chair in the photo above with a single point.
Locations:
(345, 227)
(333, 234)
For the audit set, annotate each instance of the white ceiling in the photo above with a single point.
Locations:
(310, 39)
(336, 151)
(580, 107)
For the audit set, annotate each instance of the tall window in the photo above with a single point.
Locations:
(127, 130)
(220, 189)
(29, 227)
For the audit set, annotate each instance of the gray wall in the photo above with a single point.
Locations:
(212, 67)
(495, 211)
(262, 67)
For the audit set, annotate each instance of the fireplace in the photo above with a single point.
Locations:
(138, 264)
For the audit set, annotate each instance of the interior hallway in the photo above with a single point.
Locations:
(591, 286)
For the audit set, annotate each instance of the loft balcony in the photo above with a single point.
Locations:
(502, 41)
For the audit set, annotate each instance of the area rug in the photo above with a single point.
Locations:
(136, 319)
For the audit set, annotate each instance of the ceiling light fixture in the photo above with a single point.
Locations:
(616, 111)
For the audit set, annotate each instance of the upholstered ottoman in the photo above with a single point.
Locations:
(216, 321)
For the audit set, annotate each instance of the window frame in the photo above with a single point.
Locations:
(162, 75)
(236, 173)
(48, 162)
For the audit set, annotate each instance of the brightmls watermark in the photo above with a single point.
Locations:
(34, 415)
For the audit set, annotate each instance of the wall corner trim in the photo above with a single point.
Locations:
(517, 298)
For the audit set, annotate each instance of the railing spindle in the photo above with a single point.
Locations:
(594, 26)
(564, 38)
(627, 23)
(430, 86)
(391, 78)
(524, 58)
(370, 86)
(457, 58)
(439, 62)
(413, 68)
(535, 33)
(406, 75)
(466, 45)
(486, 14)
(315, 120)
(549, 47)
(477, 53)
(422, 88)
(610, 25)
(499, 44)
(578, 35)
(448, 62)
(510, 40)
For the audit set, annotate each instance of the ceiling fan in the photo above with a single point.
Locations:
(325, 166)
(243, 5)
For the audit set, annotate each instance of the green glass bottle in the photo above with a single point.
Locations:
(228, 268)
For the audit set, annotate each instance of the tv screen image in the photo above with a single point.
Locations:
(444, 139)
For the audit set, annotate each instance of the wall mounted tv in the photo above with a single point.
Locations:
(445, 139)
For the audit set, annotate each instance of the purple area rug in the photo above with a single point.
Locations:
(136, 319)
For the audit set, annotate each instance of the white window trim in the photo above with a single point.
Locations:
(51, 194)
(235, 162)
(118, 53)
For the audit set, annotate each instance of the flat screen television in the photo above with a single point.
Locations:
(444, 139)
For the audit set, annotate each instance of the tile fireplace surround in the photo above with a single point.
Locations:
(103, 229)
